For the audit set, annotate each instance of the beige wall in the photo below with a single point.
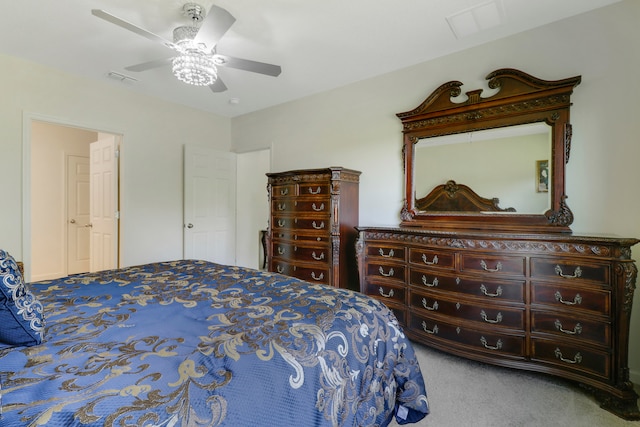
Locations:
(50, 146)
(356, 127)
(154, 132)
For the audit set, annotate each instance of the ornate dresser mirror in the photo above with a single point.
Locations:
(509, 149)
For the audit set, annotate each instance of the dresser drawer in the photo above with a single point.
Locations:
(316, 254)
(595, 301)
(572, 357)
(388, 271)
(282, 267)
(494, 265)
(497, 290)
(283, 190)
(314, 189)
(313, 274)
(484, 341)
(432, 258)
(299, 236)
(320, 224)
(318, 207)
(577, 328)
(386, 292)
(389, 252)
(507, 317)
(570, 270)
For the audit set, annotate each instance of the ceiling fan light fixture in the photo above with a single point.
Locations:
(194, 66)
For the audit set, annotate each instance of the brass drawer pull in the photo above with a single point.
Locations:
(317, 227)
(389, 295)
(279, 269)
(498, 345)
(389, 255)
(313, 275)
(433, 307)
(577, 330)
(483, 289)
(576, 359)
(282, 223)
(434, 331)
(483, 315)
(483, 264)
(434, 262)
(315, 192)
(284, 191)
(317, 258)
(430, 285)
(321, 208)
(282, 206)
(281, 251)
(576, 273)
(389, 274)
(577, 300)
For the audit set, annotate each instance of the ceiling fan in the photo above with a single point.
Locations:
(196, 61)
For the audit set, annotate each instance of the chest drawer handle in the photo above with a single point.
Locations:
(577, 330)
(321, 208)
(389, 274)
(483, 315)
(430, 285)
(389, 255)
(576, 300)
(576, 273)
(284, 191)
(281, 251)
(315, 192)
(282, 206)
(483, 264)
(433, 307)
(434, 262)
(483, 289)
(313, 274)
(317, 258)
(433, 331)
(498, 345)
(317, 227)
(281, 223)
(389, 295)
(576, 359)
(279, 269)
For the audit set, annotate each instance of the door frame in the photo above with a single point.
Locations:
(27, 119)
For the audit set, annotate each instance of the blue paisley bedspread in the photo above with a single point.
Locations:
(193, 343)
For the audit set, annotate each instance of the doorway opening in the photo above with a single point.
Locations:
(70, 199)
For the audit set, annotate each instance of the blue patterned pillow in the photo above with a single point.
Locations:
(21, 314)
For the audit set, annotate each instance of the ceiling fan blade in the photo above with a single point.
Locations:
(218, 86)
(131, 27)
(149, 65)
(247, 65)
(215, 24)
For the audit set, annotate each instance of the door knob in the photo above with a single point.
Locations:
(72, 221)
(189, 225)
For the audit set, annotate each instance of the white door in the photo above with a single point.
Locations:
(209, 204)
(78, 248)
(104, 196)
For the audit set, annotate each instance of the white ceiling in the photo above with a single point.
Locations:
(320, 44)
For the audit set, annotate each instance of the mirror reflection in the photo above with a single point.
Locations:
(510, 163)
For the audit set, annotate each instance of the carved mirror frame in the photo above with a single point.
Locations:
(520, 99)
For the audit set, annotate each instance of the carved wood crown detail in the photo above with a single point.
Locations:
(488, 244)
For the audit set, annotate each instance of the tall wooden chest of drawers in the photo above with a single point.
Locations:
(312, 223)
(553, 303)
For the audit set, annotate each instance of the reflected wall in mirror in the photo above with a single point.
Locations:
(496, 168)
(504, 163)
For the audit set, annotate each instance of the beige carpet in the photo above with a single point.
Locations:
(464, 393)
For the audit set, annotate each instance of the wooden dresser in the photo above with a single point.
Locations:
(554, 303)
(312, 223)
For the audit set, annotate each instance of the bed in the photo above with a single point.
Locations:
(194, 343)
